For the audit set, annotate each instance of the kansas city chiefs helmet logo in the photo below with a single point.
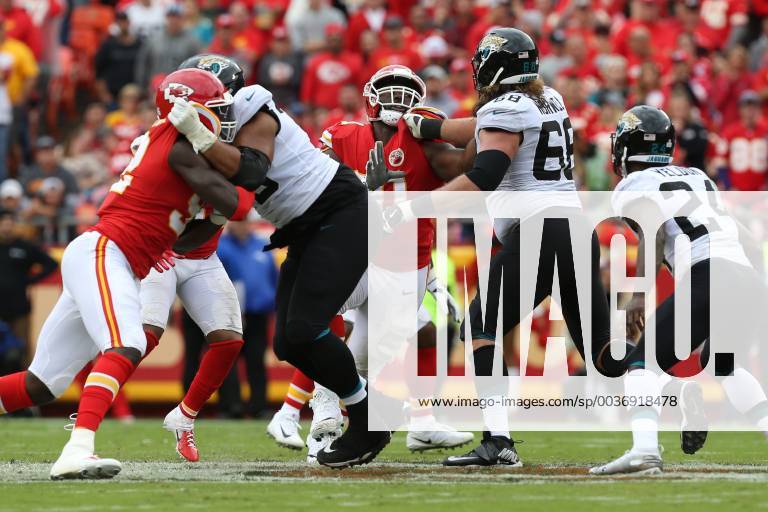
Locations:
(174, 90)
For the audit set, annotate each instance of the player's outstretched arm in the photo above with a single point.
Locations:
(454, 131)
(209, 185)
(447, 161)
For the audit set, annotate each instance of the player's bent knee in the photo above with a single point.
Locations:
(38, 391)
(301, 332)
(222, 335)
(134, 355)
(476, 344)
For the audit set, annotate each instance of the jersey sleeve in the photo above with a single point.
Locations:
(638, 186)
(512, 113)
(335, 136)
(248, 101)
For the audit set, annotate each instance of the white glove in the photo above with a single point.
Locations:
(439, 290)
(414, 117)
(185, 118)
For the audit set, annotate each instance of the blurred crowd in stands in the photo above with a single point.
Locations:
(77, 78)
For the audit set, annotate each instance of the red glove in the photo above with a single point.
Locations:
(245, 200)
(167, 260)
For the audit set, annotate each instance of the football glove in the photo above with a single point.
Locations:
(438, 291)
(186, 119)
(376, 172)
(424, 122)
(167, 260)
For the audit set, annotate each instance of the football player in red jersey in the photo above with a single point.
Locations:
(99, 310)
(417, 166)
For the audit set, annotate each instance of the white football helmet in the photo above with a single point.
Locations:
(391, 92)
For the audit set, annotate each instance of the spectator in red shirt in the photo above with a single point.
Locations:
(461, 87)
(19, 25)
(369, 17)
(742, 149)
(350, 107)
(251, 41)
(722, 23)
(225, 43)
(645, 13)
(328, 71)
(455, 21)
(393, 49)
(499, 14)
(732, 79)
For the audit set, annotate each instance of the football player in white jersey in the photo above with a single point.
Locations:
(524, 143)
(684, 201)
(320, 210)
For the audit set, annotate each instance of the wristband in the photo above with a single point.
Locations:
(430, 128)
(245, 201)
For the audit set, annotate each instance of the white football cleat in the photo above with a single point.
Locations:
(446, 437)
(631, 462)
(284, 429)
(326, 413)
(76, 462)
(183, 428)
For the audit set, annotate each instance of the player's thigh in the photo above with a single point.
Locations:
(97, 275)
(210, 298)
(158, 290)
(331, 264)
(64, 346)
(358, 297)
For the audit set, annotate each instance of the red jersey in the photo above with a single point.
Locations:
(148, 208)
(352, 142)
(717, 18)
(744, 152)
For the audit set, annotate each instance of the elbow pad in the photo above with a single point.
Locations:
(253, 169)
(490, 167)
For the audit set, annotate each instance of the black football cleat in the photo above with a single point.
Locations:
(493, 451)
(694, 428)
(355, 447)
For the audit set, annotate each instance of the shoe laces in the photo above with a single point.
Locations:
(69, 427)
(188, 436)
(325, 403)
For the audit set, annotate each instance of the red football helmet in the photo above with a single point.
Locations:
(391, 92)
(206, 93)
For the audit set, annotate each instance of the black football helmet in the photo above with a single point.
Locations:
(644, 134)
(227, 70)
(505, 56)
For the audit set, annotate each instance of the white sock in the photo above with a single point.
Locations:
(743, 390)
(645, 431)
(290, 410)
(495, 417)
(83, 438)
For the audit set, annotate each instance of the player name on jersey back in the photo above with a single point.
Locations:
(544, 160)
(690, 205)
(299, 172)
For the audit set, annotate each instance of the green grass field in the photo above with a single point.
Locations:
(244, 470)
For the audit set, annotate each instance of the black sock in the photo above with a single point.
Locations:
(483, 357)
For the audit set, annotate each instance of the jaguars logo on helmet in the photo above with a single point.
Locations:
(644, 134)
(505, 56)
(227, 70)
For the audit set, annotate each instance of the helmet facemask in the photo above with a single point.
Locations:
(395, 96)
(223, 112)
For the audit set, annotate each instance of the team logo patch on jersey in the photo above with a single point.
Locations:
(396, 157)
